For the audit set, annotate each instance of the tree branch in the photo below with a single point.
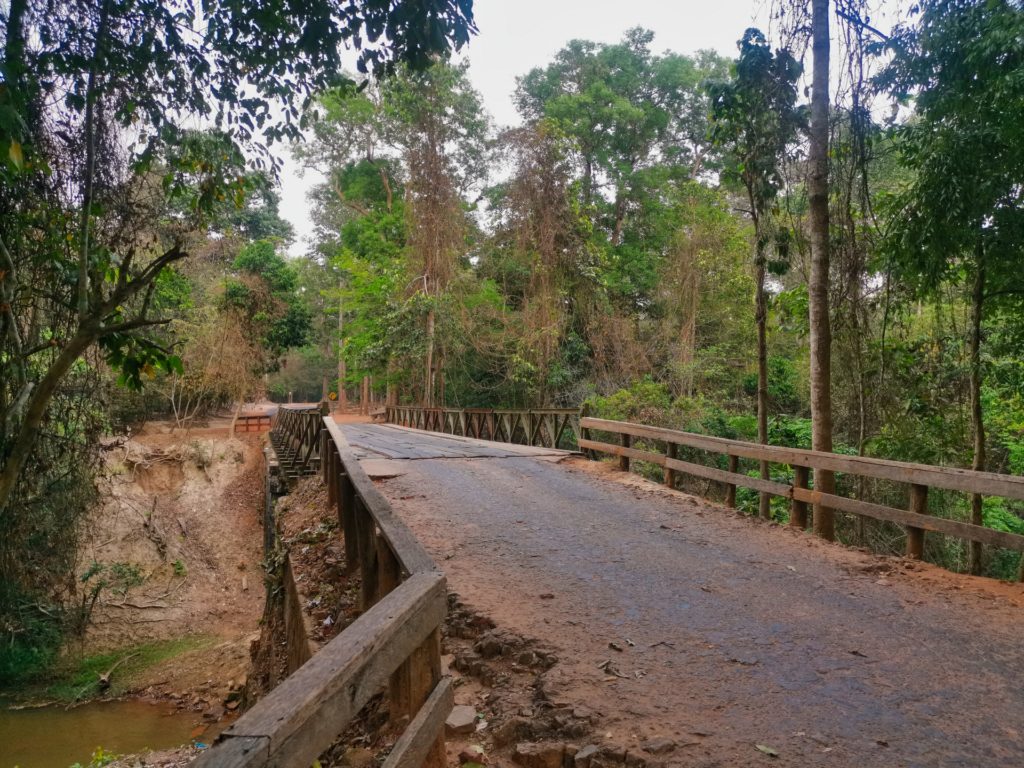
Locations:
(144, 279)
(861, 23)
(131, 325)
(7, 301)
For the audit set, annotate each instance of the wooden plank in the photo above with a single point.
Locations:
(730, 489)
(624, 455)
(731, 478)
(366, 536)
(699, 470)
(798, 508)
(395, 442)
(307, 711)
(413, 746)
(670, 474)
(620, 450)
(410, 552)
(347, 515)
(915, 535)
(231, 751)
(907, 518)
(389, 570)
(948, 478)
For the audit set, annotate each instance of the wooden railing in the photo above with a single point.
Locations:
(919, 477)
(540, 427)
(295, 435)
(253, 422)
(394, 645)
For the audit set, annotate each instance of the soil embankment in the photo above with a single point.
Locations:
(178, 541)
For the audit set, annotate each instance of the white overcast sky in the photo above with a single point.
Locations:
(517, 35)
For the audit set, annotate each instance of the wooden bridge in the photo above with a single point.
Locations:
(740, 632)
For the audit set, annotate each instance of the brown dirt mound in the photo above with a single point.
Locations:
(177, 536)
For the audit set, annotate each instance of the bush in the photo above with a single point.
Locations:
(31, 636)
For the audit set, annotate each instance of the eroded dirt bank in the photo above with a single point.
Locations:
(177, 545)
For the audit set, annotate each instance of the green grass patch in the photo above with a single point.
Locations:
(78, 678)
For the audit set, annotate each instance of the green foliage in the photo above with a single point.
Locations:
(33, 634)
(783, 390)
(267, 298)
(756, 117)
(100, 758)
(262, 260)
(75, 677)
(137, 358)
(966, 144)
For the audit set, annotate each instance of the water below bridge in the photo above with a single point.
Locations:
(735, 632)
(57, 737)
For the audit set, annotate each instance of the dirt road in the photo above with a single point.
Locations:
(734, 633)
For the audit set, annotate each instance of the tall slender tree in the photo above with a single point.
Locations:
(755, 119)
(818, 284)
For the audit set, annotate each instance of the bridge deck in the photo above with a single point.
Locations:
(392, 442)
(742, 633)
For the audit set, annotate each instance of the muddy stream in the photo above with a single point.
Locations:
(55, 737)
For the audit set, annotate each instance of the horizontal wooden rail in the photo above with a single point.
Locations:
(947, 478)
(539, 427)
(395, 644)
(253, 422)
(919, 477)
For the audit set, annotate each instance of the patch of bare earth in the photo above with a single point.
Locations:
(184, 513)
(506, 710)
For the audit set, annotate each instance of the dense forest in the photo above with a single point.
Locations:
(815, 242)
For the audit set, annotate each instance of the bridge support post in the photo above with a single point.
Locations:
(331, 468)
(366, 536)
(670, 474)
(915, 536)
(627, 440)
(798, 509)
(347, 519)
(730, 489)
(389, 571)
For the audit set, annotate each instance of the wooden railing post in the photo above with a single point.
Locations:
(915, 536)
(584, 433)
(627, 441)
(670, 474)
(424, 674)
(366, 536)
(730, 489)
(330, 462)
(797, 508)
(347, 518)
(389, 570)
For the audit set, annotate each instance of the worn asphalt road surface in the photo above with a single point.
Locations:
(735, 632)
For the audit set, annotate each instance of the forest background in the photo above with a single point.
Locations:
(643, 243)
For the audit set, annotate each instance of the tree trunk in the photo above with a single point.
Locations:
(761, 317)
(14, 48)
(977, 417)
(36, 409)
(428, 373)
(620, 217)
(342, 396)
(89, 128)
(817, 289)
